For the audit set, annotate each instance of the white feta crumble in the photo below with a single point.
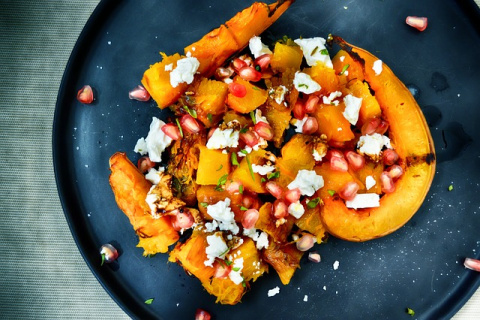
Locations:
(184, 72)
(305, 298)
(325, 288)
(262, 170)
(373, 144)
(259, 117)
(217, 248)
(150, 199)
(317, 156)
(342, 58)
(307, 181)
(304, 83)
(314, 51)
(364, 200)
(296, 209)
(224, 216)
(352, 108)
(273, 291)
(169, 67)
(211, 226)
(189, 54)
(335, 265)
(377, 67)
(223, 138)
(299, 124)
(260, 238)
(370, 182)
(279, 94)
(236, 273)
(155, 175)
(155, 143)
(257, 47)
(331, 97)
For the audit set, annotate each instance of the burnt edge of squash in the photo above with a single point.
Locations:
(414, 160)
(333, 39)
(279, 4)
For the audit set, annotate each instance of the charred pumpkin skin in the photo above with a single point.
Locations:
(412, 141)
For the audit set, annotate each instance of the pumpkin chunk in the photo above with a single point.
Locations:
(213, 165)
(254, 98)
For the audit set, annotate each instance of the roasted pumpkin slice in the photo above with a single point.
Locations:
(130, 189)
(411, 137)
(285, 259)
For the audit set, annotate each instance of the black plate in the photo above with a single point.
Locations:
(420, 266)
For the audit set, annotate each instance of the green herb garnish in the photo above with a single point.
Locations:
(250, 168)
(209, 117)
(313, 203)
(410, 312)
(234, 159)
(450, 187)
(257, 67)
(273, 175)
(243, 208)
(236, 269)
(103, 259)
(243, 130)
(179, 127)
(204, 204)
(314, 51)
(228, 262)
(263, 180)
(221, 182)
(252, 115)
(240, 189)
(324, 52)
(244, 151)
(149, 301)
(344, 69)
(220, 168)
(303, 85)
(192, 112)
(331, 192)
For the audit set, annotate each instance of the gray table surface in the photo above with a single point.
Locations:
(42, 274)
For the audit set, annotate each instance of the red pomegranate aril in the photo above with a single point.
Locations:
(395, 171)
(263, 61)
(249, 219)
(338, 164)
(250, 138)
(386, 182)
(223, 73)
(221, 271)
(472, 264)
(210, 132)
(274, 189)
(419, 23)
(314, 257)
(280, 209)
(311, 104)
(237, 89)
(356, 161)
(182, 220)
(189, 124)
(172, 131)
(293, 195)
(250, 74)
(238, 64)
(233, 187)
(139, 93)
(310, 126)
(264, 130)
(333, 153)
(382, 127)
(306, 242)
(144, 164)
(85, 95)
(299, 110)
(349, 190)
(389, 157)
(370, 126)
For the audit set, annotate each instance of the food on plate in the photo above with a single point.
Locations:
(85, 94)
(472, 264)
(419, 23)
(108, 253)
(269, 150)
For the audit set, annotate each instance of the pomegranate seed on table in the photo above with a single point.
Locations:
(299, 110)
(293, 195)
(250, 138)
(274, 189)
(280, 209)
(85, 95)
(249, 219)
(263, 61)
(314, 257)
(395, 171)
(139, 93)
(182, 220)
(250, 74)
(419, 23)
(311, 104)
(472, 264)
(172, 131)
(109, 253)
(264, 130)
(189, 124)
(387, 182)
(237, 89)
(349, 190)
(338, 164)
(355, 160)
(389, 157)
(306, 242)
(221, 270)
(144, 164)
(238, 64)
(201, 314)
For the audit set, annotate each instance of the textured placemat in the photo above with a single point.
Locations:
(42, 274)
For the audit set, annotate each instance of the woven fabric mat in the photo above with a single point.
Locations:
(42, 274)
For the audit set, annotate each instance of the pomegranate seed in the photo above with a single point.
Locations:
(389, 157)
(109, 253)
(311, 104)
(306, 242)
(382, 127)
(263, 61)
(237, 89)
(248, 201)
(280, 209)
(221, 271)
(139, 93)
(264, 130)
(419, 23)
(189, 124)
(238, 64)
(355, 160)
(250, 138)
(144, 164)
(395, 171)
(223, 73)
(182, 220)
(349, 190)
(338, 164)
(310, 126)
(85, 95)
(250, 74)
(299, 110)
(274, 189)
(387, 183)
(233, 187)
(472, 264)
(293, 195)
(172, 131)
(314, 257)
(333, 153)
(210, 132)
(249, 219)
(370, 126)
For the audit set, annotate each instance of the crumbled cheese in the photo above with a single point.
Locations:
(304, 83)
(307, 181)
(296, 209)
(373, 144)
(313, 51)
(377, 67)
(169, 67)
(364, 200)
(257, 47)
(331, 97)
(184, 72)
(279, 94)
(335, 265)
(317, 156)
(151, 200)
(352, 108)
(189, 54)
(259, 117)
(299, 124)
(370, 182)
(262, 170)
(155, 143)
(342, 58)
(236, 273)
(260, 238)
(273, 291)
(155, 175)
(305, 298)
(223, 138)
(224, 216)
(217, 248)
(211, 226)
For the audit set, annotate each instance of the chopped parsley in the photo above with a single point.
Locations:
(149, 301)
(314, 51)
(250, 168)
(313, 203)
(209, 117)
(244, 151)
(191, 112)
(234, 159)
(324, 52)
(103, 259)
(243, 208)
(220, 168)
(331, 192)
(204, 204)
(450, 187)
(344, 69)
(240, 189)
(273, 175)
(236, 269)
(410, 312)
(244, 130)
(221, 182)
(252, 115)
(179, 127)
(263, 180)
(303, 85)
